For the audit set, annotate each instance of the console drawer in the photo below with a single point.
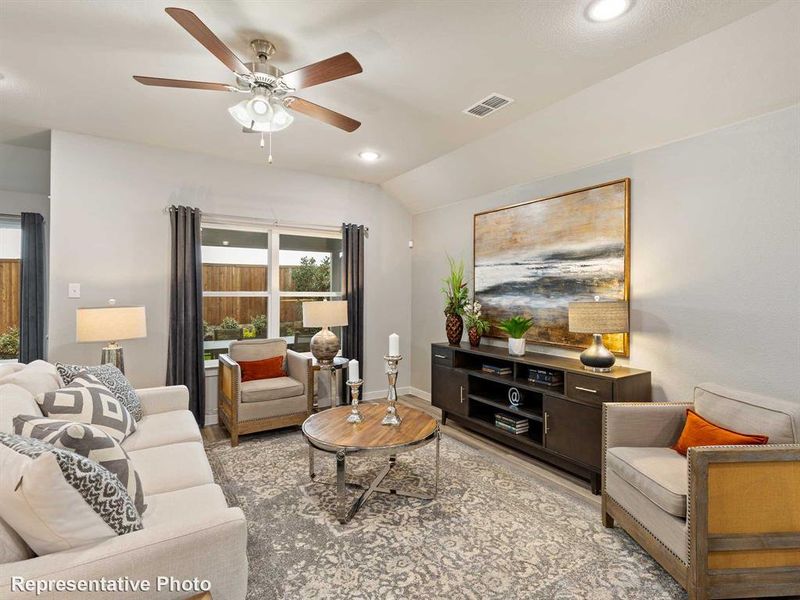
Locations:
(442, 356)
(586, 387)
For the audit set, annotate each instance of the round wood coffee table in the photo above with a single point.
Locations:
(330, 432)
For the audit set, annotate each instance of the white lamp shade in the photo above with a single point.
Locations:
(329, 313)
(598, 317)
(110, 324)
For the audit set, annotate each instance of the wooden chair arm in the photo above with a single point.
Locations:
(229, 389)
(744, 514)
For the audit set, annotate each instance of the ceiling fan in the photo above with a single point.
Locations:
(269, 89)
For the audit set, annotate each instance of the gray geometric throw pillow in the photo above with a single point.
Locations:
(86, 400)
(111, 377)
(86, 440)
(100, 490)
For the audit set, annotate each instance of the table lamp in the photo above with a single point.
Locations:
(598, 318)
(331, 313)
(111, 324)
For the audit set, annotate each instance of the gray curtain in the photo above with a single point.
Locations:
(185, 354)
(353, 262)
(32, 294)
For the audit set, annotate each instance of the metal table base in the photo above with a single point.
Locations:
(344, 512)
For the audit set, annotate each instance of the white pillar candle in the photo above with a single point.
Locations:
(352, 370)
(394, 345)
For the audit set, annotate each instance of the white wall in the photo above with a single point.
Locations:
(111, 235)
(24, 180)
(715, 265)
(24, 169)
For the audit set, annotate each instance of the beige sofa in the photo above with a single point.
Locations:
(723, 521)
(189, 530)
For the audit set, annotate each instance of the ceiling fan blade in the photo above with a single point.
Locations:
(183, 83)
(198, 30)
(336, 67)
(326, 115)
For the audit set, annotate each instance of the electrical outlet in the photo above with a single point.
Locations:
(74, 290)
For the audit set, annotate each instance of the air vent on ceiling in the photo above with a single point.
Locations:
(492, 103)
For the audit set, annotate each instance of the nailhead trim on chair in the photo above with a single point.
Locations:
(622, 508)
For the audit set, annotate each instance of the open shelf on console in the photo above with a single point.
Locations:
(517, 411)
(532, 438)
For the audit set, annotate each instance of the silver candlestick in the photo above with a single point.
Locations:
(355, 415)
(391, 417)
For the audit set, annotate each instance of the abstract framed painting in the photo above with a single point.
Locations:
(536, 257)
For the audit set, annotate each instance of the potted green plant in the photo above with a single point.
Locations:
(476, 324)
(229, 329)
(516, 327)
(455, 299)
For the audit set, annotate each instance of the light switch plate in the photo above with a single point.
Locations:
(74, 290)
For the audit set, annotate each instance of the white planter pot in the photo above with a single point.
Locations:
(516, 346)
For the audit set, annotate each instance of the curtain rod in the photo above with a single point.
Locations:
(239, 220)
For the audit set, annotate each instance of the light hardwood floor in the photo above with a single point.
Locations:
(510, 456)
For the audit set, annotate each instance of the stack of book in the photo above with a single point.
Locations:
(511, 424)
(494, 370)
(545, 377)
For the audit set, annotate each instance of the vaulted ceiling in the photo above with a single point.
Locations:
(68, 65)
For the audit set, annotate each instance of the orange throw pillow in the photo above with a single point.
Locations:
(268, 368)
(699, 432)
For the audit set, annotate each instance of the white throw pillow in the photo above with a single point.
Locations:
(56, 500)
(89, 441)
(86, 400)
(38, 377)
(14, 401)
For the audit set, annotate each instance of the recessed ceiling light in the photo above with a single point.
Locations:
(225, 242)
(369, 155)
(606, 10)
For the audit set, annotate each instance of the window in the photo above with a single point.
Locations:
(10, 245)
(255, 281)
(310, 269)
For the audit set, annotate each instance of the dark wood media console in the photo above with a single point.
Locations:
(564, 421)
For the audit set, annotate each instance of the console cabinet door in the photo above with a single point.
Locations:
(449, 390)
(573, 430)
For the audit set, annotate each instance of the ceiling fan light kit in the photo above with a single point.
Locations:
(269, 88)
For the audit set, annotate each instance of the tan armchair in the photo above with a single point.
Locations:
(250, 406)
(723, 521)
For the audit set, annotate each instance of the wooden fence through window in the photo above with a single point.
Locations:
(245, 278)
(9, 293)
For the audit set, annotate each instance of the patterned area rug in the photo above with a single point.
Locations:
(494, 531)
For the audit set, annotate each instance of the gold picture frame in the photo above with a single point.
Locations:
(535, 257)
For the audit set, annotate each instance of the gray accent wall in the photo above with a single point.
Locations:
(715, 258)
(111, 235)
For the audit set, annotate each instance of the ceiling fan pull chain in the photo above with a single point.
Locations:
(262, 139)
(269, 159)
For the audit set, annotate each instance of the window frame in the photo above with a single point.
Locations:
(273, 293)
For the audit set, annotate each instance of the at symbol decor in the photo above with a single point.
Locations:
(513, 396)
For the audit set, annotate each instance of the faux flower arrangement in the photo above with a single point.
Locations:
(476, 324)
